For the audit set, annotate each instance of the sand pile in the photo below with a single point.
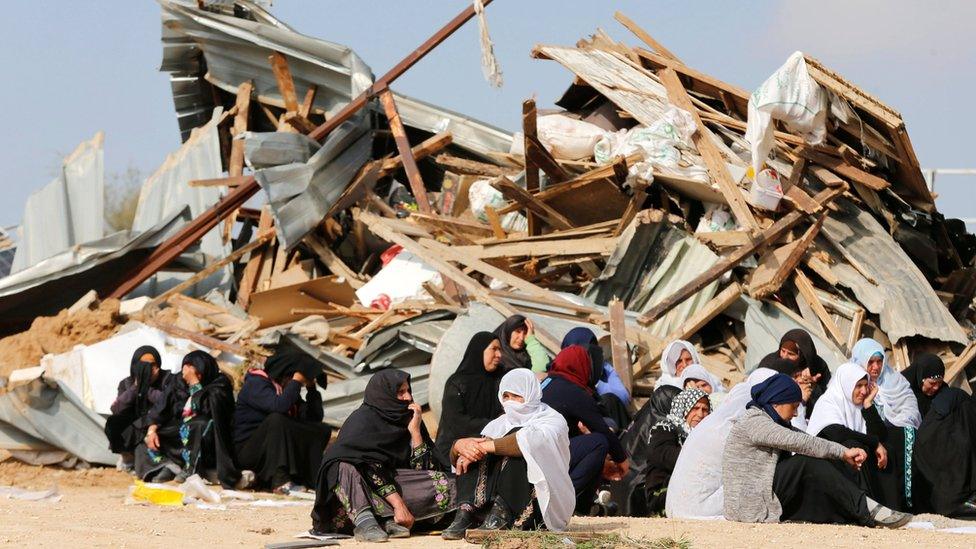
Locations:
(59, 334)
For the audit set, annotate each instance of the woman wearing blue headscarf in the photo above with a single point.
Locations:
(763, 482)
(897, 405)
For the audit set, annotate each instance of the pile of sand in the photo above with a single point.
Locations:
(59, 334)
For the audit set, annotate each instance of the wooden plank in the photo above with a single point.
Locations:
(806, 291)
(512, 191)
(899, 354)
(403, 145)
(259, 241)
(715, 306)
(427, 148)
(541, 157)
(644, 36)
(618, 344)
(822, 269)
(714, 161)
(286, 86)
(959, 365)
(250, 276)
(297, 121)
(529, 132)
(724, 239)
(235, 166)
(452, 225)
(844, 169)
(601, 246)
(210, 342)
(776, 266)
(306, 109)
(220, 181)
(769, 235)
(495, 221)
(857, 323)
(465, 166)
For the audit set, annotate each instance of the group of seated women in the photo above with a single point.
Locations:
(527, 439)
(171, 426)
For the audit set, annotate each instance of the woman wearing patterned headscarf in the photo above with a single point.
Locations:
(667, 436)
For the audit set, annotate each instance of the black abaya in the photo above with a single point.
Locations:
(126, 427)
(945, 454)
(511, 357)
(284, 449)
(470, 397)
(813, 490)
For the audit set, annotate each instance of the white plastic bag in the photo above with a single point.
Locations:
(481, 194)
(661, 145)
(568, 138)
(790, 95)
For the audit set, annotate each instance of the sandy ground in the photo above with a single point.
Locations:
(93, 513)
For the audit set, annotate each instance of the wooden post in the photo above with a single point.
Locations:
(406, 154)
(282, 74)
(531, 170)
(618, 344)
(235, 167)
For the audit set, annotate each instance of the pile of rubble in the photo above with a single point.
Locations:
(658, 203)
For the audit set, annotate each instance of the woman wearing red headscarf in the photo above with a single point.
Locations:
(594, 448)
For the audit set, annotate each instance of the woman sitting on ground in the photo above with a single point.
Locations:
(471, 393)
(278, 434)
(595, 449)
(846, 415)
(945, 446)
(144, 387)
(613, 396)
(687, 410)
(381, 476)
(520, 348)
(801, 375)
(521, 462)
(763, 482)
(678, 355)
(190, 427)
(898, 407)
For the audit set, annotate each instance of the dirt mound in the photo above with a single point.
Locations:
(58, 334)
(32, 477)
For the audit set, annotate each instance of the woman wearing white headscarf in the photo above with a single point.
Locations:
(677, 356)
(695, 489)
(522, 472)
(697, 375)
(898, 407)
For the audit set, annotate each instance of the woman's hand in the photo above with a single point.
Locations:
(152, 438)
(529, 327)
(583, 429)
(401, 514)
(869, 400)
(470, 449)
(417, 419)
(297, 376)
(855, 457)
(882, 456)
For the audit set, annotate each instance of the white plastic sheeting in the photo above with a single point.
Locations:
(166, 193)
(67, 211)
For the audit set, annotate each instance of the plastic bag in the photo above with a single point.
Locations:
(790, 95)
(481, 194)
(661, 145)
(568, 138)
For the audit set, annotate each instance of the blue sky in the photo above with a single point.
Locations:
(73, 68)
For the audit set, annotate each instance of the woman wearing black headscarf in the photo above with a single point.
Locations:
(945, 444)
(809, 371)
(278, 434)
(520, 348)
(137, 394)
(190, 431)
(471, 393)
(382, 467)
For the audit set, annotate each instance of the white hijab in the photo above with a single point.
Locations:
(669, 360)
(835, 407)
(695, 489)
(697, 371)
(895, 401)
(544, 442)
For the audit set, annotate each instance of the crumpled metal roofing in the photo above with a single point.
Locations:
(903, 299)
(237, 50)
(652, 260)
(167, 192)
(765, 324)
(67, 211)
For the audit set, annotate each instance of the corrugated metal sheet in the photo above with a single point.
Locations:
(652, 260)
(765, 324)
(903, 298)
(67, 211)
(301, 194)
(237, 50)
(166, 192)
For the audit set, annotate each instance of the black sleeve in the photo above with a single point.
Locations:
(311, 409)
(261, 395)
(160, 412)
(454, 411)
(663, 450)
(589, 413)
(849, 438)
(876, 425)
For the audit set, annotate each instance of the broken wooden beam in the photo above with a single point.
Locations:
(406, 155)
(776, 266)
(286, 86)
(644, 36)
(427, 148)
(806, 291)
(529, 132)
(511, 191)
(766, 237)
(618, 344)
